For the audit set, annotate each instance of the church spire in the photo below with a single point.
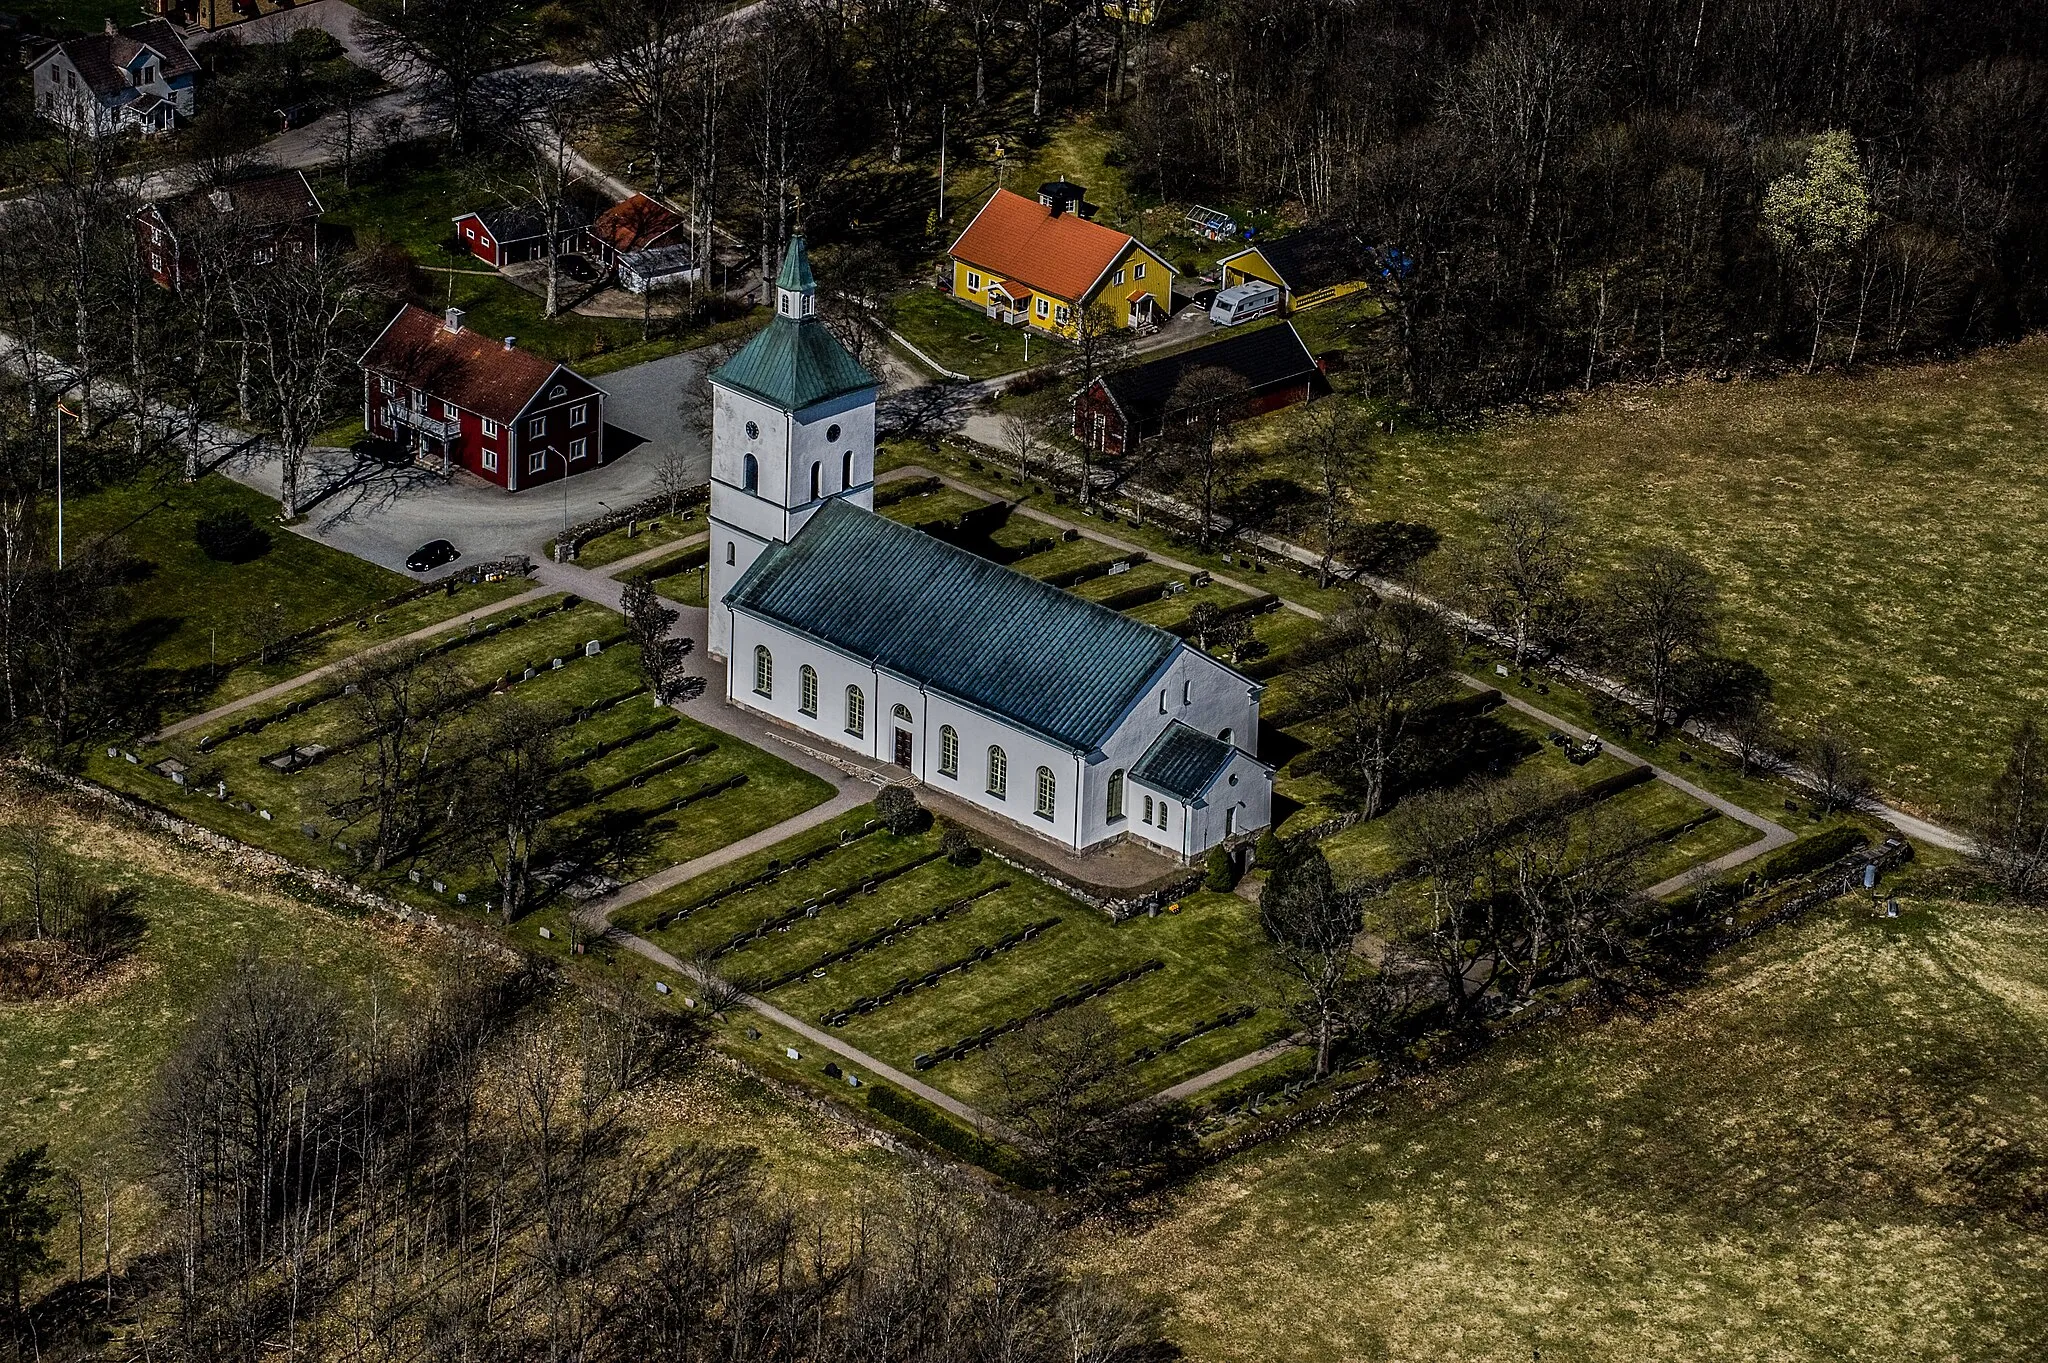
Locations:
(796, 290)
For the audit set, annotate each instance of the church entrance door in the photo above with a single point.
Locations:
(903, 748)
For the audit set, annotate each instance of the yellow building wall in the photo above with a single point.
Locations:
(1158, 282)
(1250, 265)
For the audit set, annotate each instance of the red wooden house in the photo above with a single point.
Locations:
(460, 399)
(505, 235)
(1124, 409)
(259, 220)
(635, 224)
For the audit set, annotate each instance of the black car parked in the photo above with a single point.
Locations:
(432, 555)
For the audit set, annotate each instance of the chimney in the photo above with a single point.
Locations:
(509, 340)
(1060, 196)
(454, 319)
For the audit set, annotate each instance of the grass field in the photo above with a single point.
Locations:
(1831, 1150)
(604, 550)
(1879, 539)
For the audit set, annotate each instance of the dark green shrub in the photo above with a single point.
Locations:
(951, 1137)
(230, 536)
(1814, 851)
(1222, 871)
(1269, 850)
(899, 810)
(959, 848)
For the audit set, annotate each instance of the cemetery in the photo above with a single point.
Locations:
(922, 962)
(651, 786)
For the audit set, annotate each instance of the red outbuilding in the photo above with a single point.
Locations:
(459, 399)
(1122, 410)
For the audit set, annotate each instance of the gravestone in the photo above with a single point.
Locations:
(440, 887)
(546, 935)
(130, 758)
(311, 830)
(1120, 567)
(853, 1081)
(592, 649)
(557, 665)
(661, 988)
(528, 675)
(220, 790)
(792, 1052)
(263, 814)
(413, 876)
(753, 1033)
(113, 752)
(461, 898)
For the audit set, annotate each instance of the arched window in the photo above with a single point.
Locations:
(1116, 795)
(1224, 735)
(856, 711)
(764, 671)
(750, 474)
(901, 712)
(998, 773)
(1162, 814)
(807, 690)
(731, 549)
(1230, 821)
(817, 480)
(1042, 805)
(1148, 809)
(846, 469)
(1187, 693)
(949, 752)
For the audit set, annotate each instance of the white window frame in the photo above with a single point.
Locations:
(579, 414)
(537, 427)
(449, 411)
(949, 751)
(1138, 272)
(1119, 276)
(490, 429)
(856, 712)
(998, 773)
(387, 385)
(536, 461)
(806, 689)
(764, 671)
(1045, 793)
(579, 448)
(973, 282)
(1044, 308)
(1113, 797)
(1062, 314)
(490, 461)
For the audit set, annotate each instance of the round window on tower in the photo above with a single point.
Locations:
(753, 431)
(832, 435)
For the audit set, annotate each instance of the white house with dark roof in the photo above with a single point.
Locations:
(1075, 722)
(138, 78)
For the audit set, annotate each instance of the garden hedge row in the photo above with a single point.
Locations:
(875, 940)
(684, 562)
(952, 1137)
(774, 871)
(1089, 571)
(812, 907)
(1813, 851)
(902, 489)
(1059, 1003)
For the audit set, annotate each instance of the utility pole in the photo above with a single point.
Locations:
(942, 168)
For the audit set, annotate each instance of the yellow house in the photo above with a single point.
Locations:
(1311, 266)
(1040, 263)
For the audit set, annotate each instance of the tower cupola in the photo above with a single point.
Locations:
(796, 289)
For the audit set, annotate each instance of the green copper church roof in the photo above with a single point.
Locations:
(796, 268)
(1006, 644)
(795, 362)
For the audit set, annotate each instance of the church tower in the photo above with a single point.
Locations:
(792, 427)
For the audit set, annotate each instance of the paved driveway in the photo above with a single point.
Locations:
(383, 514)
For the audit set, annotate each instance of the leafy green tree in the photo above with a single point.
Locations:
(1816, 217)
(28, 1214)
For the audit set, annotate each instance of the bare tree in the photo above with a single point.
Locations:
(1520, 576)
(514, 780)
(1334, 440)
(447, 49)
(1102, 345)
(301, 315)
(398, 705)
(1061, 1086)
(2010, 829)
(1662, 613)
(1314, 931)
(542, 115)
(1389, 663)
(1197, 441)
(1840, 778)
(645, 48)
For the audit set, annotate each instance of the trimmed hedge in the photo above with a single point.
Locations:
(1813, 851)
(687, 561)
(953, 1138)
(888, 494)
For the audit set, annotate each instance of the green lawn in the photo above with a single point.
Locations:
(187, 610)
(606, 549)
(1828, 1151)
(965, 340)
(1207, 949)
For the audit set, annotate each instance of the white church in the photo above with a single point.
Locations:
(1073, 721)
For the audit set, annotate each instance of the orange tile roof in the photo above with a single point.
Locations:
(634, 224)
(1020, 239)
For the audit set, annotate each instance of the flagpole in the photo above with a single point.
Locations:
(61, 414)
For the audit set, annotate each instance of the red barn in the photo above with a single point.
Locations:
(260, 220)
(506, 235)
(1132, 405)
(463, 400)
